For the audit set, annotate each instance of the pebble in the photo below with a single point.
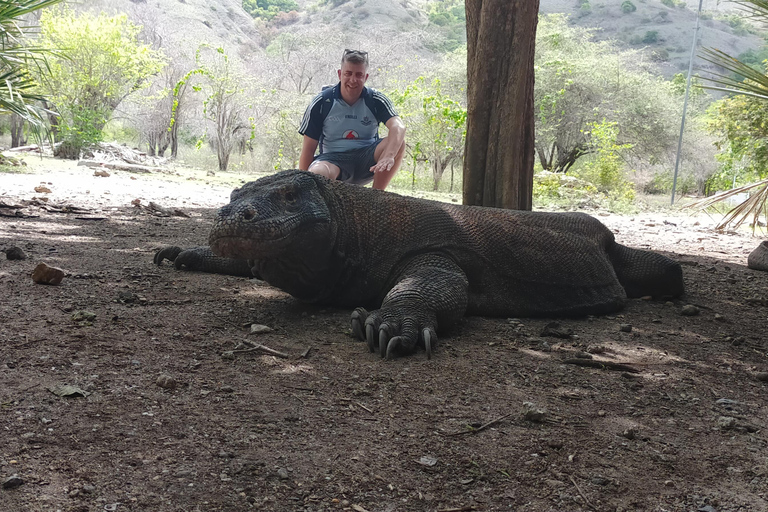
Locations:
(15, 253)
(282, 473)
(720, 318)
(166, 382)
(600, 480)
(533, 413)
(625, 328)
(630, 434)
(228, 355)
(260, 329)
(726, 422)
(43, 274)
(12, 482)
(762, 376)
(689, 310)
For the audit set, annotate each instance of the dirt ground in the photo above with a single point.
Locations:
(174, 420)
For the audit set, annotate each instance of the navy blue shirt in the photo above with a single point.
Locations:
(341, 127)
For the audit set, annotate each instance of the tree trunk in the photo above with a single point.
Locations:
(499, 151)
(17, 131)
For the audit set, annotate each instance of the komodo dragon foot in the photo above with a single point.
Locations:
(429, 291)
(758, 259)
(202, 259)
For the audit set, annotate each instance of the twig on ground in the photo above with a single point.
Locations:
(363, 407)
(465, 508)
(601, 365)
(263, 349)
(480, 428)
(586, 500)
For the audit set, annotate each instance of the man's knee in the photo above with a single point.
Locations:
(324, 168)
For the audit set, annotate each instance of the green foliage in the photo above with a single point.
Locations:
(604, 168)
(628, 7)
(269, 9)
(18, 58)
(741, 123)
(101, 62)
(437, 124)
(650, 37)
(580, 82)
(681, 4)
(448, 19)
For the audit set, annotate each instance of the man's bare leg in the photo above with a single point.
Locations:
(324, 168)
(381, 178)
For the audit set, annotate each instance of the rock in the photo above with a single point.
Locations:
(707, 508)
(555, 330)
(260, 329)
(43, 274)
(282, 473)
(720, 318)
(426, 460)
(12, 482)
(762, 376)
(726, 422)
(15, 253)
(533, 413)
(228, 355)
(42, 189)
(101, 174)
(689, 310)
(758, 259)
(625, 328)
(629, 433)
(600, 480)
(83, 316)
(166, 382)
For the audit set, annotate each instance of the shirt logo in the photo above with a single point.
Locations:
(351, 134)
(366, 121)
(350, 116)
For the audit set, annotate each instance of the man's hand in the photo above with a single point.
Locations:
(385, 164)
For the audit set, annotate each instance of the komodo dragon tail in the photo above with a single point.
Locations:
(644, 273)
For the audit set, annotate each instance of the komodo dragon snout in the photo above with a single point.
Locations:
(410, 266)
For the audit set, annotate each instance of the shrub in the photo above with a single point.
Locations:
(650, 37)
(628, 7)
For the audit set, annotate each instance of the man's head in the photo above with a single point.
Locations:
(353, 74)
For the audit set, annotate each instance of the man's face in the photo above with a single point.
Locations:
(352, 78)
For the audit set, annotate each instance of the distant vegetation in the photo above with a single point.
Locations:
(606, 120)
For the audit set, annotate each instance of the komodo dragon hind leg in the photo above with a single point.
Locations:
(644, 273)
(429, 291)
(202, 259)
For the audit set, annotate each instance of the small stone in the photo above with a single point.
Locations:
(166, 382)
(43, 274)
(762, 376)
(426, 460)
(12, 482)
(89, 489)
(720, 318)
(101, 174)
(533, 413)
(555, 330)
(600, 480)
(689, 310)
(260, 329)
(555, 444)
(726, 422)
(228, 355)
(15, 253)
(42, 189)
(669, 483)
(582, 355)
(601, 413)
(227, 389)
(629, 433)
(282, 473)
(83, 316)
(707, 508)
(625, 328)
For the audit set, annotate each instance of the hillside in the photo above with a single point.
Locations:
(664, 31)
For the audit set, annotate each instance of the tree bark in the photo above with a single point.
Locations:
(499, 151)
(17, 131)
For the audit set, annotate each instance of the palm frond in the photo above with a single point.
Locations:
(755, 82)
(755, 205)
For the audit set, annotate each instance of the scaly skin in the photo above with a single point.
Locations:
(422, 264)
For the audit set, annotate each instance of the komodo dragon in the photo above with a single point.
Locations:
(423, 264)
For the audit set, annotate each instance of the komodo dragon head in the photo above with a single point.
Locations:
(279, 216)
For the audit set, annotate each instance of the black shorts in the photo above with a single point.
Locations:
(355, 165)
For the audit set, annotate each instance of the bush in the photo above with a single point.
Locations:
(650, 37)
(628, 7)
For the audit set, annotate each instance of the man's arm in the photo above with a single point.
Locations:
(395, 140)
(308, 147)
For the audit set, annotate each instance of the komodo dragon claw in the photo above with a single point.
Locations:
(169, 252)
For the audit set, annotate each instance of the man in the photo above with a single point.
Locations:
(344, 122)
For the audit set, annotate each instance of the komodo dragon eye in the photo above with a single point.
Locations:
(289, 196)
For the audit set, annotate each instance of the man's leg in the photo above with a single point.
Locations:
(324, 168)
(382, 178)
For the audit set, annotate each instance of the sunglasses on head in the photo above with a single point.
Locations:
(357, 52)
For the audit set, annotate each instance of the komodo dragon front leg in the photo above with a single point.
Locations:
(428, 291)
(202, 259)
